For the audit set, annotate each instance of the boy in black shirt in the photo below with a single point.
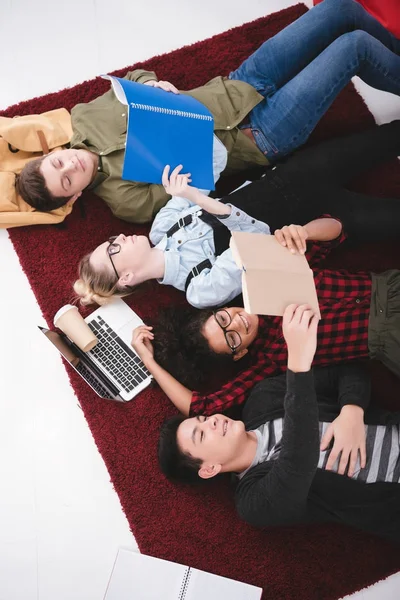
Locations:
(287, 472)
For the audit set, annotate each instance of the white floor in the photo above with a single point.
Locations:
(60, 519)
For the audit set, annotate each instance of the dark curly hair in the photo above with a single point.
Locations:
(181, 348)
(31, 185)
(176, 465)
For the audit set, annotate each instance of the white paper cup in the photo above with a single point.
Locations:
(71, 322)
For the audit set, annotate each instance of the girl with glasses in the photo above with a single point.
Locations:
(190, 235)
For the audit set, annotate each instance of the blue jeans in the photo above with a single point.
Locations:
(301, 70)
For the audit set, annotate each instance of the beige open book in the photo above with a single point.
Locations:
(272, 276)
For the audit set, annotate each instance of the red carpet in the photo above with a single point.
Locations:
(188, 525)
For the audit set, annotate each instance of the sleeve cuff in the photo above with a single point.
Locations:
(299, 381)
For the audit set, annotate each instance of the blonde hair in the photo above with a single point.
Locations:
(96, 286)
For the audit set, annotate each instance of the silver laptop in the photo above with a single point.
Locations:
(112, 368)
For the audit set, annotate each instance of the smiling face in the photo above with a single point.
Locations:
(217, 331)
(128, 262)
(216, 440)
(68, 172)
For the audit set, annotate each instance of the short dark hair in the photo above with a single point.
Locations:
(31, 185)
(177, 466)
(181, 348)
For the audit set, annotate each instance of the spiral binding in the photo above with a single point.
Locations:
(185, 584)
(170, 111)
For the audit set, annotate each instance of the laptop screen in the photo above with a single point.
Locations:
(79, 363)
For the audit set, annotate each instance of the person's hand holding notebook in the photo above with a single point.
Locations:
(272, 276)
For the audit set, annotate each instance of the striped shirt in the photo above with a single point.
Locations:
(382, 450)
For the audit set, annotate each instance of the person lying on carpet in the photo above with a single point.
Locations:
(286, 469)
(191, 249)
(262, 111)
(360, 319)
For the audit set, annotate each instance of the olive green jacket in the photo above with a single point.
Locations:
(100, 126)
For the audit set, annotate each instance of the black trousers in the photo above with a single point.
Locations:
(313, 181)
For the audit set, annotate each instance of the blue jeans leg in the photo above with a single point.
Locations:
(284, 121)
(282, 57)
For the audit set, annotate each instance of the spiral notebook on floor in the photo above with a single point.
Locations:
(140, 577)
(165, 129)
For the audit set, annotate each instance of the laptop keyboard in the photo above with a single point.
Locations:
(116, 357)
(102, 391)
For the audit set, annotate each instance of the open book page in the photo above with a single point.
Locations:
(269, 293)
(272, 277)
(117, 88)
(206, 586)
(260, 252)
(139, 577)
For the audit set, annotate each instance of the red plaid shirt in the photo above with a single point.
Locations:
(344, 300)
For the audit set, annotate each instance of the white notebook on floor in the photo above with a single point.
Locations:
(137, 576)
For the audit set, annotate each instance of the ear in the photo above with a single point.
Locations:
(128, 278)
(207, 471)
(240, 354)
(74, 198)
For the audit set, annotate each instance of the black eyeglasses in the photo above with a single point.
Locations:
(232, 337)
(113, 249)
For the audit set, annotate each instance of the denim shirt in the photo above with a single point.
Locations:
(192, 244)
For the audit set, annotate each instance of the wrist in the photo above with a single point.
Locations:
(352, 409)
(148, 361)
(307, 232)
(298, 364)
(193, 194)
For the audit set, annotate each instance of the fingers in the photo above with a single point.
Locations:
(313, 325)
(176, 172)
(344, 461)
(353, 462)
(148, 344)
(332, 457)
(165, 176)
(147, 335)
(293, 237)
(162, 85)
(280, 237)
(348, 457)
(176, 180)
(288, 313)
(166, 86)
(302, 313)
(297, 239)
(140, 331)
(327, 437)
(363, 454)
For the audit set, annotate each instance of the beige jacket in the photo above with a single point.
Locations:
(21, 140)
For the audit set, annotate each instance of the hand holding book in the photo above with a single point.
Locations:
(294, 237)
(177, 184)
(163, 85)
(272, 277)
(165, 126)
(299, 327)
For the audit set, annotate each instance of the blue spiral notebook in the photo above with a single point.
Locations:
(165, 129)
